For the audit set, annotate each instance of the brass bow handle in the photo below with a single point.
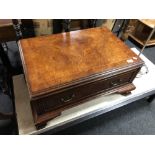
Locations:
(116, 82)
(68, 98)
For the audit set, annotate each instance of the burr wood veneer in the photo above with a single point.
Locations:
(63, 70)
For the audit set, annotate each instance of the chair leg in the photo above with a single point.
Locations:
(14, 118)
(66, 24)
(5, 46)
(4, 58)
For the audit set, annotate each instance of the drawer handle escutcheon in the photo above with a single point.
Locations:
(68, 98)
(116, 82)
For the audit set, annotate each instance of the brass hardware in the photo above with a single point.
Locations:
(116, 82)
(68, 98)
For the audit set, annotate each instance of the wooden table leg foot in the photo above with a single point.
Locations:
(126, 90)
(41, 120)
(40, 126)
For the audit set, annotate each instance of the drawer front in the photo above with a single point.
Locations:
(79, 93)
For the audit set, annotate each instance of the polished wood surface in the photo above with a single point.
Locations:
(64, 70)
(54, 60)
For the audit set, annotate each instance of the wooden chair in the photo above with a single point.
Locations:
(8, 124)
(13, 31)
(60, 25)
(7, 112)
(10, 32)
(67, 24)
(8, 121)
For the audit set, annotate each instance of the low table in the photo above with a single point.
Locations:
(145, 86)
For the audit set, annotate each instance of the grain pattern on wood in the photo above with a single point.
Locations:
(64, 70)
(54, 60)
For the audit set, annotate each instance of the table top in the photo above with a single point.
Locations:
(144, 86)
(148, 22)
(54, 61)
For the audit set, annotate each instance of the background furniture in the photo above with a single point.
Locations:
(77, 24)
(7, 32)
(60, 25)
(119, 27)
(6, 114)
(7, 110)
(13, 30)
(84, 111)
(7, 57)
(11, 59)
(43, 26)
(142, 30)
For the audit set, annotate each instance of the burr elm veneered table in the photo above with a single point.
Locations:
(66, 69)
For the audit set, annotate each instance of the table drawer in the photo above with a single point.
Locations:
(79, 93)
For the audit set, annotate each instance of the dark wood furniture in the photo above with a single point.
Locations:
(63, 70)
(10, 30)
(7, 32)
(7, 113)
(77, 24)
(67, 25)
